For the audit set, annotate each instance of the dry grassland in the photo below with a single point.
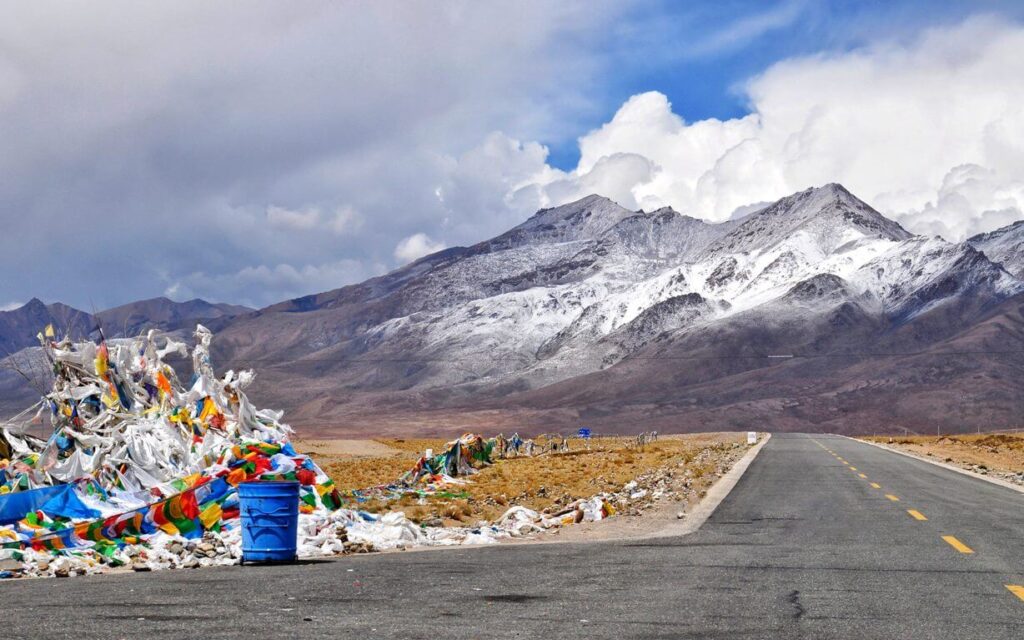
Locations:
(541, 482)
(999, 453)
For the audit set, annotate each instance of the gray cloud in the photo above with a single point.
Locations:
(253, 152)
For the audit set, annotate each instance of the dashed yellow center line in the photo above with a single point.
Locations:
(956, 544)
(875, 485)
(853, 468)
(916, 515)
(1016, 590)
(892, 497)
(862, 475)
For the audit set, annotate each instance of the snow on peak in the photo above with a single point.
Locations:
(1004, 245)
(823, 218)
(920, 273)
(578, 287)
(584, 219)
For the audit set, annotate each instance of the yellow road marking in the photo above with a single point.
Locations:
(892, 497)
(853, 468)
(916, 515)
(1016, 590)
(875, 485)
(862, 475)
(956, 544)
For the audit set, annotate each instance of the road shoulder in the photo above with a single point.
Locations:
(944, 465)
(658, 522)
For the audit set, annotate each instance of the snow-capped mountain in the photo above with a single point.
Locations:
(1005, 246)
(554, 312)
(627, 320)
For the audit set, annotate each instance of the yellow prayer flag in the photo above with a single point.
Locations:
(211, 515)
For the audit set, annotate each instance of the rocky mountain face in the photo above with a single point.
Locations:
(1005, 246)
(591, 313)
(811, 313)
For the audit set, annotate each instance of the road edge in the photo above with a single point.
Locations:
(714, 497)
(716, 493)
(997, 481)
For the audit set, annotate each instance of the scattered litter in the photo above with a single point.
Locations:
(141, 471)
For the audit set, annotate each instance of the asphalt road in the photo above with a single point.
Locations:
(803, 547)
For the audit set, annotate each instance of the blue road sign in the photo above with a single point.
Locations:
(583, 432)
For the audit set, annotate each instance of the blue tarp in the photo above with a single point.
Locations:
(67, 504)
(54, 501)
(14, 506)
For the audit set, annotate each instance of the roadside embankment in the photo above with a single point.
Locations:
(676, 469)
(996, 455)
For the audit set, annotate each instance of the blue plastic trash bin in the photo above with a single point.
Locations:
(270, 520)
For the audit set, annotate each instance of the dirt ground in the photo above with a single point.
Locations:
(693, 461)
(997, 454)
(348, 448)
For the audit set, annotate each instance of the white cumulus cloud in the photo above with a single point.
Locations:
(339, 221)
(416, 246)
(931, 132)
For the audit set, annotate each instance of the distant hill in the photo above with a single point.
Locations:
(165, 315)
(19, 327)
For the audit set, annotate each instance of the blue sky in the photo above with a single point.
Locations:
(255, 153)
(697, 52)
